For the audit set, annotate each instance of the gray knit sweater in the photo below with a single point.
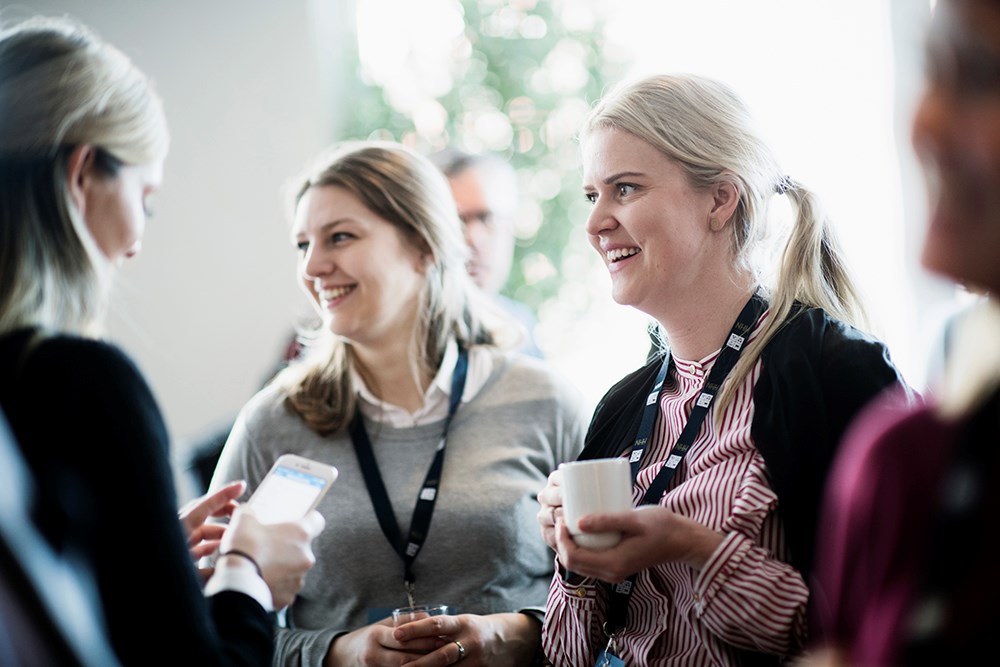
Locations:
(483, 554)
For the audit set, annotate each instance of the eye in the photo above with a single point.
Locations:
(624, 189)
(302, 246)
(340, 237)
(591, 197)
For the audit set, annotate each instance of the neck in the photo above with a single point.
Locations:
(389, 374)
(698, 324)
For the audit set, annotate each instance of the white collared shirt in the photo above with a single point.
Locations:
(435, 407)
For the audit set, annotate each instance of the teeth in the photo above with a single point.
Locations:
(621, 253)
(334, 293)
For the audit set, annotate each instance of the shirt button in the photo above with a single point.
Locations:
(580, 592)
(695, 596)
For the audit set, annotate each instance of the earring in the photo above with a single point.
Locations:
(715, 224)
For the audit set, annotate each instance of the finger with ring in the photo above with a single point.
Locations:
(461, 651)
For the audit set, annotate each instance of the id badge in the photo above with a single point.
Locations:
(608, 659)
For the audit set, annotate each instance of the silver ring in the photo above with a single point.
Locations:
(461, 651)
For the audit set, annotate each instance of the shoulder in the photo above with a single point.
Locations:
(516, 368)
(265, 407)
(76, 353)
(812, 332)
(809, 328)
(89, 368)
(813, 341)
(519, 377)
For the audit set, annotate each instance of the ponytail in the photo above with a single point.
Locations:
(812, 272)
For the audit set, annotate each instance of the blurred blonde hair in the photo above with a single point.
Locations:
(704, 127)
(409, 192)
(62, 87)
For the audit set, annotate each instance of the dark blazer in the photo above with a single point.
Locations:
(816, 375)
(49, 612)
(96, 443)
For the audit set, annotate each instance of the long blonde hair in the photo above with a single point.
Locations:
(409, 192)
(61, 87)
(704, 127)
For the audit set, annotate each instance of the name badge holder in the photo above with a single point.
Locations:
(423, 511)
(619, 594)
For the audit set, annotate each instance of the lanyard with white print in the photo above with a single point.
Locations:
(423, 511)
(619, 594)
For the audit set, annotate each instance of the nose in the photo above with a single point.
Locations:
(601, 219)
(316, 263)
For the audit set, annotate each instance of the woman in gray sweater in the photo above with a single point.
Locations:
(441, 438)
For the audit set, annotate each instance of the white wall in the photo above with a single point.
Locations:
(207, 305)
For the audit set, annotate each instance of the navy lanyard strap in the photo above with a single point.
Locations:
(619, 594)
(423, 511)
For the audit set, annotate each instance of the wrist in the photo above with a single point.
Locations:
(703, 543)
(238, 557)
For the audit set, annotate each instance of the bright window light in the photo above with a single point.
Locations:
(821, 81)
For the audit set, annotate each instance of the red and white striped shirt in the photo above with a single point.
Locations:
(746, 597)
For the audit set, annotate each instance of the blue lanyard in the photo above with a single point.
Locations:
(619, 594)
(420, 523)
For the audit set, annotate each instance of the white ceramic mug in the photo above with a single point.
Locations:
(591, 487)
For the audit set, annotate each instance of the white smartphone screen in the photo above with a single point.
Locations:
(286, 494)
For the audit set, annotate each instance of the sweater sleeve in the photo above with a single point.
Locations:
(303, 648)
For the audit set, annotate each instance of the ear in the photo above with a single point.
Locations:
(725, 199)
(79, 175)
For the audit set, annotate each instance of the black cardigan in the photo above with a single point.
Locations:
(816, 375)
(97, 446)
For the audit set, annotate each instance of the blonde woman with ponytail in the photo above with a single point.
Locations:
(731, 431)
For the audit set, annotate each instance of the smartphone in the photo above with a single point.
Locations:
(291, 489)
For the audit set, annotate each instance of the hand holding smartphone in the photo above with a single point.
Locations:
(291, 489)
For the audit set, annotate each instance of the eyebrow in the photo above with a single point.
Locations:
(614, 177)
(622, 174)
(326, 226)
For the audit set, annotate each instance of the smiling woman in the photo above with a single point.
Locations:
(361, 271)
(680, 186)
(405, 390)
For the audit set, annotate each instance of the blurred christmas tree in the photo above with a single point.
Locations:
(515, 77)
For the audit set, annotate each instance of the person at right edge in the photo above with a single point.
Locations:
(732, 431)
(906, 571)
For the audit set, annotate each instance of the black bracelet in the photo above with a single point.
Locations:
(244, 554)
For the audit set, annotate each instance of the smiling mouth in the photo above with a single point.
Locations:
(619, 254)
(336, 292)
